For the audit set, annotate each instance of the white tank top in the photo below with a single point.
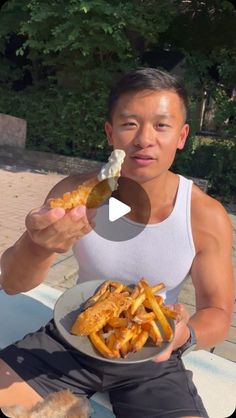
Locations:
(162, 252)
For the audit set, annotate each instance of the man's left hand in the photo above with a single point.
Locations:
(181, 333)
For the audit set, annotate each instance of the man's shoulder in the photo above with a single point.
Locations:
(208, 214)
(70, 183)
(203, 203)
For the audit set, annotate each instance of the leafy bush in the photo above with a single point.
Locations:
(60, 121)
(216, 162)
(68, 123)
(211, 159)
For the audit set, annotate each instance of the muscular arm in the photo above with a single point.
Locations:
(212, 271)
(212, 276)
(49, 232)
(24, 265)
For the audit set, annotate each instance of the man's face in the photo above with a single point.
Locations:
(149, 126)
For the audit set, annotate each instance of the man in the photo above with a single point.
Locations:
(188, 232)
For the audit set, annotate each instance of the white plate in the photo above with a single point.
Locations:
(69, 306)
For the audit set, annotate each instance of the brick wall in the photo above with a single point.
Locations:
(46, 161)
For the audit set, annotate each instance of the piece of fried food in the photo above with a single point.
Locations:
(95, 191)
(95, 317)
(92, 193)
(141, 298)
(120, 319)
(101, 346)
(100, 292)
(158, 312)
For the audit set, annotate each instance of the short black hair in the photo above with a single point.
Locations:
(146, 79)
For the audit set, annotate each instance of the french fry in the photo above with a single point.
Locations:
(141, 310)
(110, 344)
(159, 300)
(169, 312)
(119, 287)
(118, 322)
(135, 292)
(128, 314)
(137, 302)
(125, 349)
(158, 312)
(155, 333)
(139, 341)
(144, 317)
(136, 331)
(101, 335)
(100, 345)
(157, 287)
(111, 340)
(125, 334)
(142, 296)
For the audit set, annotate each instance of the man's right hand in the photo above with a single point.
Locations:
(56, 230)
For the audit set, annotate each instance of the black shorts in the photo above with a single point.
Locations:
(144, 390)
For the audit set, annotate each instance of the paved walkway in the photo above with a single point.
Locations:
(23, 189)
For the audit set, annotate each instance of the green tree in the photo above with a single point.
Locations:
(73, 50)
(203, 31)
(85, 39)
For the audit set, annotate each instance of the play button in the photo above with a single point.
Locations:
(117, 209)
(125, 214)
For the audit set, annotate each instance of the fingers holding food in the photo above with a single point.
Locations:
(41, 218)
(66, 218)
(56, 230)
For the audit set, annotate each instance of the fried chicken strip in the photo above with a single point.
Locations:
(95, 191)
(95, 317)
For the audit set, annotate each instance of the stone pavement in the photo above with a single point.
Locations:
(23, 189)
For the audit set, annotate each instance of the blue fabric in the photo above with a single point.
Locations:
(100, 411)
(19, 315)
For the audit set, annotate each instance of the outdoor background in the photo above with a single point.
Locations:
(58, 60)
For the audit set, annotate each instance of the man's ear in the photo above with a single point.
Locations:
(108, 130)
(183, 136)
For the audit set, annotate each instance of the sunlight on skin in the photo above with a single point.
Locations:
(13, 390)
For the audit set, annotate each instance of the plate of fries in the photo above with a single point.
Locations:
(116, 322)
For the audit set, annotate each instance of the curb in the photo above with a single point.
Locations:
(63, 273)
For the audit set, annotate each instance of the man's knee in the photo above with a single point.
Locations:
(14, 390)
(8, 375)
